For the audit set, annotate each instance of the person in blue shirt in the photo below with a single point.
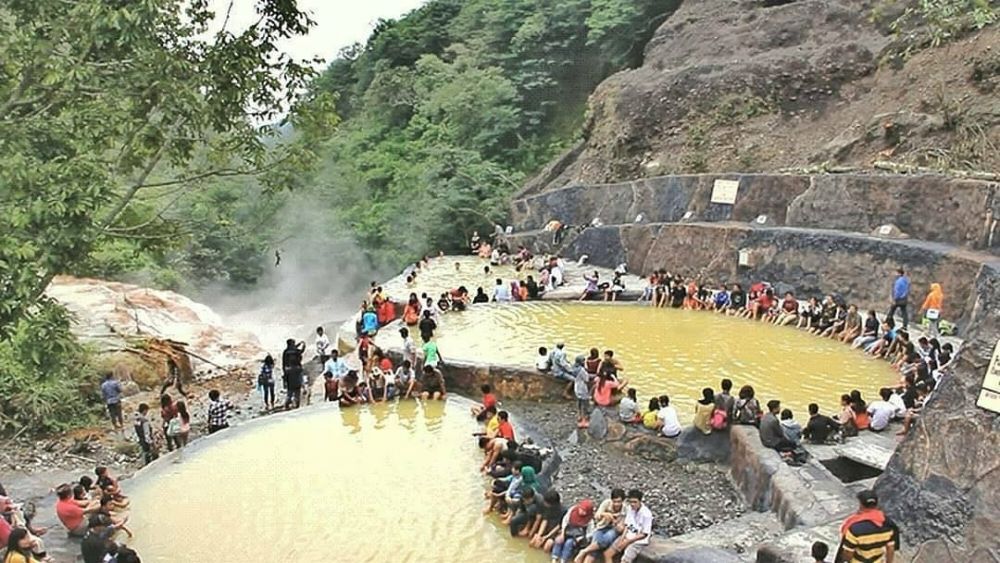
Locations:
(900, 295)
(111, 392)
(369, 322)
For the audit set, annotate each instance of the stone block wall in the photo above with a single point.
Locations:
(943, 483)
(957, 212)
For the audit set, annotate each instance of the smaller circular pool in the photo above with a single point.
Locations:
(667, 350)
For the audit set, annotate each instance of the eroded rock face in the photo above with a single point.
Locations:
(943, 485)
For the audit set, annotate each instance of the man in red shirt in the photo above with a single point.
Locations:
(70, 513)
(502, 442)
(489, 400)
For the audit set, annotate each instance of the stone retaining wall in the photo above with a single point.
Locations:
(811, 262)
(935, 208)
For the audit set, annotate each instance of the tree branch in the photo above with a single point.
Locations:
(134, 188)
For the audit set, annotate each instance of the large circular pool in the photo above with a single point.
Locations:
(389, 482)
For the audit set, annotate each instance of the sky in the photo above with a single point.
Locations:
(339, 23)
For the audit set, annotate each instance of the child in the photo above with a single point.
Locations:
(378, 385)
(543, 363)
(489, 399)
(819, 552)
(109, 484)
(107, 508)
(329, 387)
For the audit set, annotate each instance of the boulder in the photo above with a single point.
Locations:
(692, 445)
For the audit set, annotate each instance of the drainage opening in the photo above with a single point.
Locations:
(849, 471)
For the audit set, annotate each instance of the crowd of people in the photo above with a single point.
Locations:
(92, 510)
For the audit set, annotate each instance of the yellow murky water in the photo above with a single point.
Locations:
(668, 351)
(394, 482)
(440, 275)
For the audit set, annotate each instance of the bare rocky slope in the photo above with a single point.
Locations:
(769, 86)
(734, 85)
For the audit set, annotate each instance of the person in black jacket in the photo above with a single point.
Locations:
(820, 427)
(291, 368)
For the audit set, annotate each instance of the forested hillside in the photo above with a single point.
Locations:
(447, 110)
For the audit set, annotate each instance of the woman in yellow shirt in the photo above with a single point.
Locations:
(19, 547)
(932, 308)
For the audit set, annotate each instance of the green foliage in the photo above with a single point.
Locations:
(935, 22)
(43, 383)
(108, 112)
(450, 108)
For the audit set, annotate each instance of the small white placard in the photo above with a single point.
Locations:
(989, 397)
(724, 191)
(761, 219)
(744, 258)
(688, 214)
(509, 229)
(885, 230)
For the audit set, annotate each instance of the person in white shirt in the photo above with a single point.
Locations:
(335, 366)
(881, 412)
(501, 293)
(638, 529)
(405, 380)
(555, 276)
(322, 345)
(409, 348)
(668, 416)
(896, 400)
(542, 362)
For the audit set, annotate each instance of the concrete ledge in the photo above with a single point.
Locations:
(808, 495)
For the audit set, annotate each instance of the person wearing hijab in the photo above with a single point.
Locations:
(573, 530)
(932, 308)
(581, 390)
(703, 411)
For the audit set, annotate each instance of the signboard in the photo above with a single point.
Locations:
(989, 397)
(885, 230)
(724, 191)
(744, 259)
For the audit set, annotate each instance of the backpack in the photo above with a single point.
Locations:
(719, 420)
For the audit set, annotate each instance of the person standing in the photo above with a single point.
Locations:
(266, 381)
(218, 412)
(144, 434)
(291, 368)
(173, 377)
(868, 535)
(322, 345)
(581, 391)
(409, 348)
(900, 296)
(111, 392)
(931, 309)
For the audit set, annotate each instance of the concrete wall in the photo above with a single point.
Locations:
(860, 268)
(963, 213)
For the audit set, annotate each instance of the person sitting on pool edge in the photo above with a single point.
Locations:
(667, 419)
(434, 387)
(489, 399)
(628, 408)
(503, 440)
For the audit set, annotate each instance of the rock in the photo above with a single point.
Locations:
(130, 388)
(696, 555)
(652, 448)
(692, 445)
(598, 428)
(889, 231)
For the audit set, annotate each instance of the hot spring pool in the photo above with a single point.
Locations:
(667, 350)
(441, 275)
(389, 482)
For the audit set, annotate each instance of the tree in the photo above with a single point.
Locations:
(97, 97)
(104, 101)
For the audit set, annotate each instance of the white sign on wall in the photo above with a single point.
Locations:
(744, 258)
(724, 191)
(989, 397)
